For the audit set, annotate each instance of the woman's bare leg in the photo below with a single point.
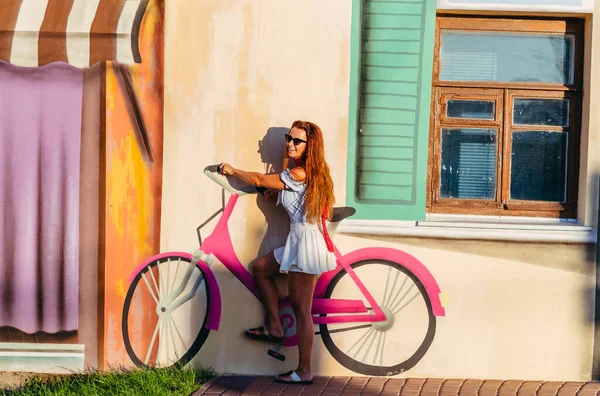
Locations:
(265, 269)
(301, 288)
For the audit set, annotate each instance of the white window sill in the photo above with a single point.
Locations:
(498, 228)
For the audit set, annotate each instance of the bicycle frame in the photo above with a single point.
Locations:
(220, 246)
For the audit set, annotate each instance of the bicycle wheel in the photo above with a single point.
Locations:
(384, 348)
(173, 330)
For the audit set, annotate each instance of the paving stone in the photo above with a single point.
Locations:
(589, 389)
(395, 382)
(390, 392)
(530, 388)
(450, 387)
(570, 388)
(377, 381)
(432, 386)
(550, 388)
(489, 388)
(470, 387)
(412, 386)
(509, 388)
(382, 386)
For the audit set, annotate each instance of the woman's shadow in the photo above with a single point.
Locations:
(272, 152)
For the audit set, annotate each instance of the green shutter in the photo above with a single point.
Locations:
(390, 89)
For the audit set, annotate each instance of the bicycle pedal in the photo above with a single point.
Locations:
(276, 355)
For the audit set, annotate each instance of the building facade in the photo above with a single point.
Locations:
(464, 134)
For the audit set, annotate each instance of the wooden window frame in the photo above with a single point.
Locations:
(503, 93)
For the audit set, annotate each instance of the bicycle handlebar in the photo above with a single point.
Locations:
(231, 184)
(213, 168)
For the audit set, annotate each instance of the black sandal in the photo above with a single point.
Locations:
(294, 379)
(263, 335)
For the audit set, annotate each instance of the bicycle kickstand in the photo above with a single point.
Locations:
(275, 351)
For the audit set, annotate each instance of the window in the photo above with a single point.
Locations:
(505, 117)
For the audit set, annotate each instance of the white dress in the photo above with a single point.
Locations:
(305, 249)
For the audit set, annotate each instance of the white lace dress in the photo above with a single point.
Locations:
(305, 249)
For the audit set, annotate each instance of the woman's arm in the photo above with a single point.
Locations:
(253, 178)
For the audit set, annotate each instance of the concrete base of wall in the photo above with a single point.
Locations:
(41, 358)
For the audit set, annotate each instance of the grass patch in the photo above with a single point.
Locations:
(118, 381)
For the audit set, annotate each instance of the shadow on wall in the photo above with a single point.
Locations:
(276, 228)
(272, 152)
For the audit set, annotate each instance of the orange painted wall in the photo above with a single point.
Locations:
(133, 184)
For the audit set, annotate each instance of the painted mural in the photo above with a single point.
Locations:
(355, 314)
(134, 130)
(39, 182)
(80, 165)
(119, 239)
(514, 309)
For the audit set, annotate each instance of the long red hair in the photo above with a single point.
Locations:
(319, 185)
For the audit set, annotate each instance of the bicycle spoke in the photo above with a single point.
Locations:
(379, 345)
(375, 335)
(385, 298)
(387, 282)
(360, 339)
(178, 334)
(161, 290)
(172, 288)
(408, 302)
(171, 325)
(393, 302)
(167, 330)
(154, 281)
(167, 290)
(152, 342)
(150, 288)
(382, 348)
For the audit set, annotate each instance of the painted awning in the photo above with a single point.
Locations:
(79, 32)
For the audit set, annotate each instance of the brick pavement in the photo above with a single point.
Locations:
(349, 386)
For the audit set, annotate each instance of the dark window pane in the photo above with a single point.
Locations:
(506, 57)
(474, 109)
(538, 166)
(541, 112)
(468, 168)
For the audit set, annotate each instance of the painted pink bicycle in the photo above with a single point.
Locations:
(376, 312)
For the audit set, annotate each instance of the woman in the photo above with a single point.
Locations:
(306, 193)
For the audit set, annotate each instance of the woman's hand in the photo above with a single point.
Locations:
(226, 169)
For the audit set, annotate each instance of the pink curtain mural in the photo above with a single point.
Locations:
(40, 133)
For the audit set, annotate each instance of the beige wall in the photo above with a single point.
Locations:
(233, 70)
(589, 178)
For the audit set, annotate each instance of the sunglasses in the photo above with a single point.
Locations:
(297, 141)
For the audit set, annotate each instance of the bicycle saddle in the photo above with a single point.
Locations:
(342, 213)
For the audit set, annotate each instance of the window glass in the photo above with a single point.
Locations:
(538, 166)
(506, 57)
(553, 112)
(468, 163)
